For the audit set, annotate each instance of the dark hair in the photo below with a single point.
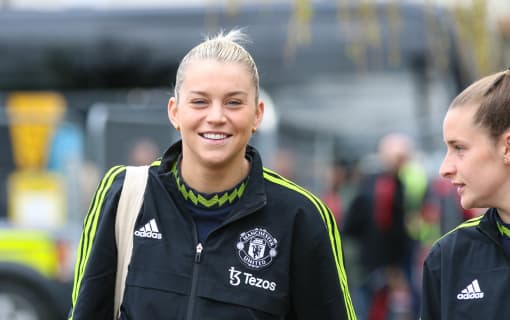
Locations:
(492, 95)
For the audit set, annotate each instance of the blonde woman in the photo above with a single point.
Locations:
(229, 238)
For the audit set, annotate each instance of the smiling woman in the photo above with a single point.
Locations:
(216, 114)
(235, 240)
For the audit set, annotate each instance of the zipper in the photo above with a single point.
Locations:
(194, 281)
(198, 256)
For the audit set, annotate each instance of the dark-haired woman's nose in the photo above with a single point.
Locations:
(447, 168)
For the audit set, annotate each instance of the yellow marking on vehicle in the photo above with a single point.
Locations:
(34, 249)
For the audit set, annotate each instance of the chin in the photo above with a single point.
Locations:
(467, 204)
(472, 204)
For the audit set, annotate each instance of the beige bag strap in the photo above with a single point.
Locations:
(130, 202)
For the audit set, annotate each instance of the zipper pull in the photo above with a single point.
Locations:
(198, 252)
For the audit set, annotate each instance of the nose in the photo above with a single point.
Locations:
(447, 168)
(216, 112)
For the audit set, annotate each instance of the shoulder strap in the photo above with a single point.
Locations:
(130, 202)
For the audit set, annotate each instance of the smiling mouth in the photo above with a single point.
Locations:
(214, 136)
(460, 188)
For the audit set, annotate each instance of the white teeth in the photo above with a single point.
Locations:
(214, 136)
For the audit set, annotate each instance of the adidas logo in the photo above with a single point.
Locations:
(471, 292)
(149, 230)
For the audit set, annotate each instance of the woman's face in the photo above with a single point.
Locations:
(473, 162)
(216, 113)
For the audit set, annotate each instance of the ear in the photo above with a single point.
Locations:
(505, 137)
(259, 115)
(172, 113)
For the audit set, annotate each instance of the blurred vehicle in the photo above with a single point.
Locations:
(37, 236)
(337, 77)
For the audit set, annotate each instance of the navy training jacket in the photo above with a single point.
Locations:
(467, 273)
(278, 255)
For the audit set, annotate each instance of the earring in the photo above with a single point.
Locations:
(254, 129)
(178, 128)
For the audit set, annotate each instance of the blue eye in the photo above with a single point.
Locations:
(233, 102)
(459, 150)
(198, 102)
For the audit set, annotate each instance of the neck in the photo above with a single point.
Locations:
(504, 216)
(212, 180)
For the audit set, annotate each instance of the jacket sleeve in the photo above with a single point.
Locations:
(96, 261)
(431, 286)
(319, 288)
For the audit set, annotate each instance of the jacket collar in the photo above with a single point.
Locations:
(488, 224)
(254, 196)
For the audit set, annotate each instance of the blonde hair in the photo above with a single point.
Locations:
(222, 48)
(492, 95)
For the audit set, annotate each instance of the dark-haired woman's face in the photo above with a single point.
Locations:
(473, 162)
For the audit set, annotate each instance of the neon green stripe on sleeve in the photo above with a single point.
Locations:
(84, 234)
(83, 245)
(89, 229)
(466, 224)
(333, 233)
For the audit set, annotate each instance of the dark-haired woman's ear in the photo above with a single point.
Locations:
(506, 155)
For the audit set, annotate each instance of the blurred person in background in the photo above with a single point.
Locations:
(235, 240)
(442, 209)
(335, 177)
(283, 161)
(467, 272)
(143, 152)
(376, 218)
(441, 212)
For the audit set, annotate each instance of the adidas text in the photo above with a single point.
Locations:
(468, 296)
(148, 234)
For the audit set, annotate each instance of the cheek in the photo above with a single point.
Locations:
(245, 122)
(488, 179)
(189, 119)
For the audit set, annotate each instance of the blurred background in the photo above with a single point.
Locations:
(84, 86)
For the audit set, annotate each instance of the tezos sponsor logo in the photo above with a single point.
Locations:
(257, 248)
(239, 277)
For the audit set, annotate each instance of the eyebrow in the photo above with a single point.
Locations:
(230, 94)
(452, 142)
(235, 93)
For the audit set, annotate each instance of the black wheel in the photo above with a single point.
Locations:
(19, 301)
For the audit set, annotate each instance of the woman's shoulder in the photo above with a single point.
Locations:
(460, 236)
(284, 192)
(113, 177)
(285, 188)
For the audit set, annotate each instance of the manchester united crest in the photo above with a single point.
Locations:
(257, 248)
